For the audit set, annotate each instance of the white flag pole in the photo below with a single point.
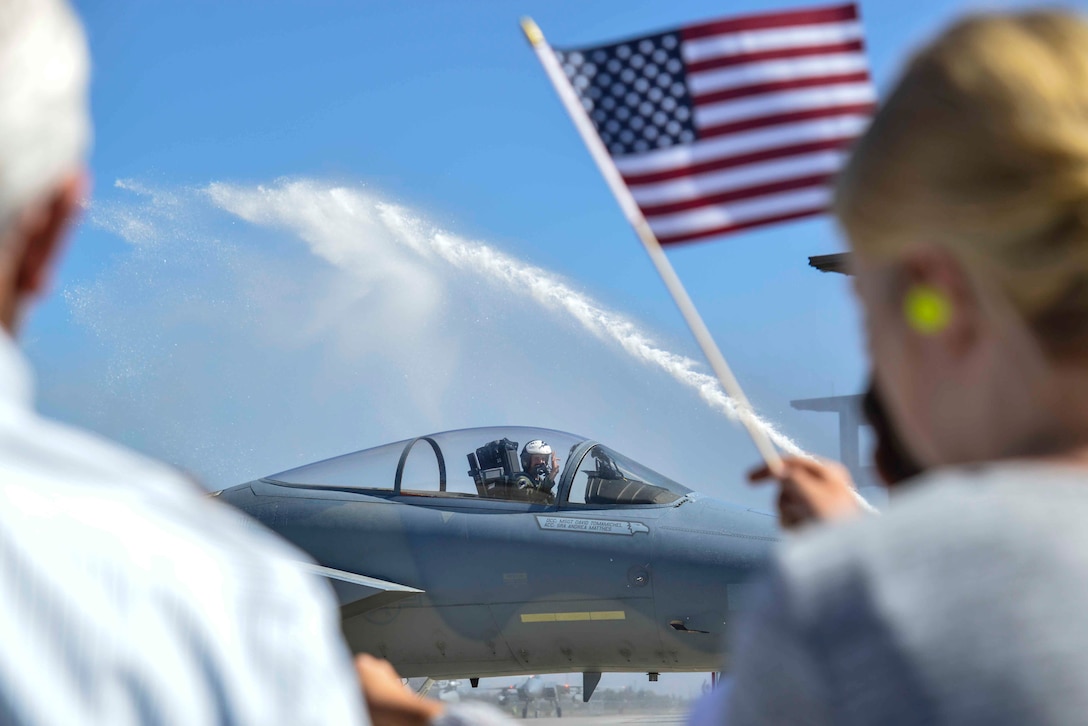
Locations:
(649, 240)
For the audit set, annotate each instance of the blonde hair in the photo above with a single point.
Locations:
(982, 149)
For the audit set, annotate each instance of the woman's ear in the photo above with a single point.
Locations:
(937, 299)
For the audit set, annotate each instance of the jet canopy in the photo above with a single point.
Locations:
(488, 463)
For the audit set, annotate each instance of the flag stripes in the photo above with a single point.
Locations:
(730, 124)
(788, 19)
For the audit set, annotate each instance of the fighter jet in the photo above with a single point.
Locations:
(531, 694)
(448, 691)
(511, 551)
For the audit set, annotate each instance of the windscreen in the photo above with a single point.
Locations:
(605, 477)
(368, 469)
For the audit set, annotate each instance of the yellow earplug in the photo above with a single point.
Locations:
(927, 309)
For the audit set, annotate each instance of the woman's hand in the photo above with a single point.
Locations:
(811, 491)
(391, 703)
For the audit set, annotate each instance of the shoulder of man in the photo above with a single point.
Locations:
(66, 464)
(135, 564)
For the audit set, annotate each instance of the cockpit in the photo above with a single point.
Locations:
(536, 467)
(501, 473)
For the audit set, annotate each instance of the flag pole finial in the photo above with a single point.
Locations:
(532, 31)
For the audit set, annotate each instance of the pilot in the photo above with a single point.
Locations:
(539, 465)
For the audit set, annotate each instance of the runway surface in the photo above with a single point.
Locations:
(669, 719)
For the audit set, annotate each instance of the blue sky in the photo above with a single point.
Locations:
(204, 328)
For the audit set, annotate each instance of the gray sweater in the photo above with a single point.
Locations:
(965, 603)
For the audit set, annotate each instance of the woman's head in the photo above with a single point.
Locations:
(966, 204)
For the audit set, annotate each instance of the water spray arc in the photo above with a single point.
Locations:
(297, 204)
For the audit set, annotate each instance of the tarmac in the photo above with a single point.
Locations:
(668, 719)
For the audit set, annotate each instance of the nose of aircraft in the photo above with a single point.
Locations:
(706, 553)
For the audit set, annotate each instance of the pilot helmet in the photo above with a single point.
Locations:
(537, 456)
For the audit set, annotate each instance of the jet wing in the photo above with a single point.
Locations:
(358, 594)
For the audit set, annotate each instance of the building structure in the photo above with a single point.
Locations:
(848, 408)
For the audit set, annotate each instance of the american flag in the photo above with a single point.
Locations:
(729, 124)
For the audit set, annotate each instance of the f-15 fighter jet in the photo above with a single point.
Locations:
(514, 551)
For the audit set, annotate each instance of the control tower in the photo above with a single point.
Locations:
(848, 408)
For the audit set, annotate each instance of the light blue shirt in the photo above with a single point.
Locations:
(129, 597)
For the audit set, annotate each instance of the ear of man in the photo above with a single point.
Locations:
(35, 244)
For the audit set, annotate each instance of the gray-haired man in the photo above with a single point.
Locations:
(128, 597)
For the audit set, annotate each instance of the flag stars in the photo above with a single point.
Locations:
(685, 159)
(635, 92)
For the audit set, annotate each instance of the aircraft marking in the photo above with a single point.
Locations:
(721, 533)
(573, 617)
(591, 526)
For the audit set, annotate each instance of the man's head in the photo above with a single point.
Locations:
(45, 131)
(538, 460)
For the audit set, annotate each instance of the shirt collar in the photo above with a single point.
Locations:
(16, 376)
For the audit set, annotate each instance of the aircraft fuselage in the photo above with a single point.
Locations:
(535, 590)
